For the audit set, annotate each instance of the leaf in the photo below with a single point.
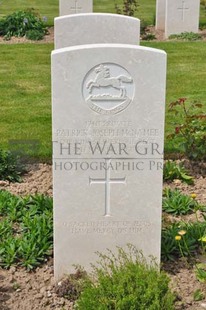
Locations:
(199, 105)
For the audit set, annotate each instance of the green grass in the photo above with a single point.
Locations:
(50, 8)
(186, 75)
(146, 9)
(186, 69)
(25, 101)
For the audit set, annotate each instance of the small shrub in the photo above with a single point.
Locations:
(26, 229)
(186, 36)
(191, 129)
(145, 31)
(148, 37)
(178, 204)
(173, 171)
(169, 248)
(124, 282)
(8, 252)
(9, 169)
(129, 7)
(34, 35)
(20, 22)
(143, 27)
(182, 240)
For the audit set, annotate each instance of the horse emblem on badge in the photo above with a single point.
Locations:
(108, 88)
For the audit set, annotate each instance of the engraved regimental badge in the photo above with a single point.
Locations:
(108, 88)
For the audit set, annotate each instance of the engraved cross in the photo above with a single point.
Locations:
(75, 8)
(183, 8)
(107, 181)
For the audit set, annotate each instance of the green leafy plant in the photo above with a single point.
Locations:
(203, 3)
(21, 23)
(5, 229)
(192, 129)
(173, 171)
(169, 249)
(200, 271)
(26, 229)
(198, 295)
(186, 36)
(34, 35)
(9, 168)
(178, 204)
(145, 31)
(129, 7)
(182, 240)
(126, 281)
(8, 251)
(148, 36)
(143, 27)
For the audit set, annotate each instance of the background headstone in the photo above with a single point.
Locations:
(160, 14)
(182, 16)
(67, 7)
(95, 28)
(108, 128)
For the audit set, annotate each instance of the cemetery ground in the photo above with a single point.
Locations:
(36, 289)
(26, 115)
(49, 8)
(25, 70)
(28, 81)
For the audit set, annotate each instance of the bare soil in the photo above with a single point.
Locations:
(49, 38)
(20, 289)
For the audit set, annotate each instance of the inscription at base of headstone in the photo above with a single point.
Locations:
(95, 28)
(67, 7)
(108, 130)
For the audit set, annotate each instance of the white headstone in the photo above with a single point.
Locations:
(95, 28)
(160, 14)
(108, 128)
(181, 16)
(67, 7)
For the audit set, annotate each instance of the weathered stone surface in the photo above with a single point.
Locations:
(95, 28)
(181, 16)
(160, 14)
(67, 7)
(108, 127)
(177, 16)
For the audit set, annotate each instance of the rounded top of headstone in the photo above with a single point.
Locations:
(97, 15)
(108, 46)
